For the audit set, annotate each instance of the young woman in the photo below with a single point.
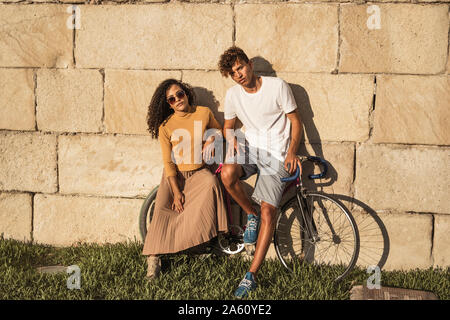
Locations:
(189, 208)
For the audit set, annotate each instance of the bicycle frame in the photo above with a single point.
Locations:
(304, 209)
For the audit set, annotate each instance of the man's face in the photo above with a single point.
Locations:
(242, 72)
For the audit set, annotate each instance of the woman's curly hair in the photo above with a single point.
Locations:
(159, 109)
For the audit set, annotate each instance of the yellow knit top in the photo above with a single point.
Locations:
(181, 138)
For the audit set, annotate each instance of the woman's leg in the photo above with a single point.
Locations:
(160, 232)
(153, 266)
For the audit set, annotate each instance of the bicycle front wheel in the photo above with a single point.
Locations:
(146, 213)
(319, 231)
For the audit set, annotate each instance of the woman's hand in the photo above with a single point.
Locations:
(178, 201)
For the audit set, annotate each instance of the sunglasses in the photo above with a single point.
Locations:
(180, 95)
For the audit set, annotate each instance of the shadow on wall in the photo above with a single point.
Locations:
(374, 239)
(206, 98)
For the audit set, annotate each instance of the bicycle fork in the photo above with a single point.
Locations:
(310, 225)
(307, 217)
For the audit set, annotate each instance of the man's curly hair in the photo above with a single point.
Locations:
(229, 57)
(159, 109)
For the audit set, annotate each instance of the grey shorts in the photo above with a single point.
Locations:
(268, 186)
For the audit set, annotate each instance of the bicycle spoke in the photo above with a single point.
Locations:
(334, 242)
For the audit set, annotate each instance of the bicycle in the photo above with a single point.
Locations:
(312, 227)
(309, 225)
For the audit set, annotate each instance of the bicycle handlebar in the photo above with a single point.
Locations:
(292, 178)
(317, 160)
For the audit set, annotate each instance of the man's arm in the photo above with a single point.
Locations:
(296, 134)
(231, 137)
(228, 124)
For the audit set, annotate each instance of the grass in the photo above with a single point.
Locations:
(117, 271)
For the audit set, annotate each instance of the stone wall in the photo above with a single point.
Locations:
(76, 160)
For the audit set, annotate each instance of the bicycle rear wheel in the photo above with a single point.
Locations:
(146, 213)
(333, 245)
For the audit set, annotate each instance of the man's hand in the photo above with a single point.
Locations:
(178, 201)
(231, 147)
(291, 162)
(230, 138)
(208, 149)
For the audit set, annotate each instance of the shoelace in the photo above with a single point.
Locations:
(245, 283)
(252, 225)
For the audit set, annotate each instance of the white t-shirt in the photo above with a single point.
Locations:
(263, 114)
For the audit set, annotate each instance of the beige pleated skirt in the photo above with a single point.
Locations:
(203, 217)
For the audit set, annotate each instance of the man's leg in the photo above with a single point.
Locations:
(267, 227)
(230, 175)
(269, 190)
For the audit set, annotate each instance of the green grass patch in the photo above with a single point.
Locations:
(117, 271)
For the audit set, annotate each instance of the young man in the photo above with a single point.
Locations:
(267, 109)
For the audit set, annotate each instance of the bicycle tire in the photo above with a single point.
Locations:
(308, 250)
(146, 213)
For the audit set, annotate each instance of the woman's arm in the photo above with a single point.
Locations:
(170, 169)
(214, 129)
(178, 196)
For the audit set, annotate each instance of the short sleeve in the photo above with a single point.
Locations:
(229, 111)
(286, 98)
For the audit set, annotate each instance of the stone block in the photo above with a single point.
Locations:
(409, 241)
(15, 216)
(410, 39)
(163, 36)
(35, 35)
(405, 240)
(339, 157)
(17, 99)
(402, 178)
(412, 109)
(448, 64)
(127, 96)
(125, 166)
(289, 37)
(333, 107)
(441, 244)
(66, 220)
(28, 162)
(69, 100)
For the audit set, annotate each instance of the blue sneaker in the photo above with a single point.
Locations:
(247, 284)
(252, 228)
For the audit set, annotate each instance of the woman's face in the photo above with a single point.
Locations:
(177, 98)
